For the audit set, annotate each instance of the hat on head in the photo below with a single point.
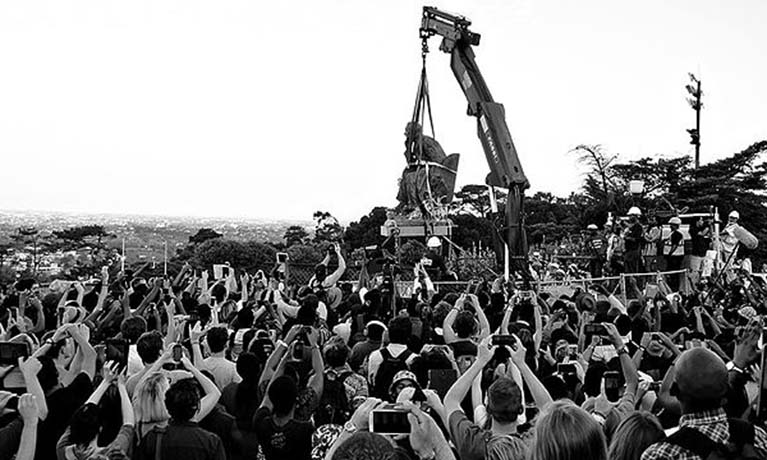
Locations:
(675, 221)
(402, 376)
(734, 215)
(592, 227)
(433, 242)
(585, 301)
(634, 211)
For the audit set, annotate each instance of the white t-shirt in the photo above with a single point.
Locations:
(223, 370)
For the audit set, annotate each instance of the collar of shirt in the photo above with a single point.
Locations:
(396, 348)
(698, 419)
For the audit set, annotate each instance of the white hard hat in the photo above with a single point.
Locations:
(734, 214)
(634, 211)
(433, 242)
(675, 221)
(592, 227)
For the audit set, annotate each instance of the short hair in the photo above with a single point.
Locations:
(49, 373)
(132, 328)
(400, 329)
(84, 424)
(149, 346)
(564, 430)
(336, 353)
(375, 332)
(282, 393)
(182, 400)
(149, 399)
(217, 338)
(249, 366)
(464, 324)
(364, 445)
(504, 400)
(635, 434)
(218, 292)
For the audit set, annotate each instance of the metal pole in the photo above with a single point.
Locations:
(697, 127)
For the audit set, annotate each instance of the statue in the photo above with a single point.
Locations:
(428, 180)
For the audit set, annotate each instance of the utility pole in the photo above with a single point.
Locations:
(693, 88)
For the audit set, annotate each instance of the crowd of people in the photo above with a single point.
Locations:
(251, 367)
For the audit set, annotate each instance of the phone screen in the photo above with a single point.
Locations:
(117, 350)
(10, 352)
(178, 353)
(440, 380)
(389, 422)
(612, 386)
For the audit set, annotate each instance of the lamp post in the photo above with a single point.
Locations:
(695, 102)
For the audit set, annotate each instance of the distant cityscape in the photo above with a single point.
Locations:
(144, 237)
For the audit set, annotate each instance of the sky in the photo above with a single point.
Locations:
(277, 109)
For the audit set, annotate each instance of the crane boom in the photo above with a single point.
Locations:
(505, 168)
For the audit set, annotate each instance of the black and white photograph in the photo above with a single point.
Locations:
(383, 230)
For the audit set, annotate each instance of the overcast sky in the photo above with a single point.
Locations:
(277, 109)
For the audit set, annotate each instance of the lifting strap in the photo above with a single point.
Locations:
(421, 108)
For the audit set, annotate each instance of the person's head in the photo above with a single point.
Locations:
(402, 380)
(592, 229)
(132, 328)
(182, 400)
(464, 325)
(635, 434)
(412, 129)
(733, 217)
(400, 329)
(62, 351)
(565, 431)
(218, 293)
(700, 381)
(149, 399)
(320, 272)
(674, 223)
(282, 393)
(375, 330)
(149, 346)
(249, 366)
(336, 352)
(84, 424)
(504, 401)
(48, 375)
(364, 445)
(217, 338)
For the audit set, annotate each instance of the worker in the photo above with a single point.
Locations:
(434, 263)
(634, 240)
(653, 248)
(673, 250)
(596, 246)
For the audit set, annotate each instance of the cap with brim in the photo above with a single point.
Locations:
(403, 376)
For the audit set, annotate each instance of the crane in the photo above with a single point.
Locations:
(505, 168)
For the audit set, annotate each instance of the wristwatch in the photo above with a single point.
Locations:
(350, 427)
(622, 350)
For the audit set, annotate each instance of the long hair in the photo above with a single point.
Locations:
(635, 434)
(149, 399)
(564, 431)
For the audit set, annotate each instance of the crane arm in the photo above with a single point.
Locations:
(501, 155)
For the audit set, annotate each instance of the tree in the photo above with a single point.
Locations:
(203, 235)
(295, 234)
(599, 184)
(475, 199)
(248, 256)
(366, 232)
(326, 227)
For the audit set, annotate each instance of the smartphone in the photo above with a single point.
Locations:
(13, 403)
(177, 353)
(566, 368)
(389, 422)
(508, 340)
(60, 315)
(440, 380)
(10, 352)
(655, 386)
(282, 257)
(527, 295)
(117, 350)
(595, 329)
(612, 385)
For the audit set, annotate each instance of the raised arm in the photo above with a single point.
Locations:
(212, 393)
(336, 275)
(539, 393)
(29, 369)
(484, 324)
(317, 380)
(447, 325)
(461, 387)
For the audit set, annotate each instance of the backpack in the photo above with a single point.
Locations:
(334, 406)
(739, 447)
(387, 370)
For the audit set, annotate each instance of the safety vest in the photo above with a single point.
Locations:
(667, 246)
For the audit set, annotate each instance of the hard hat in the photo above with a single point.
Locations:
(675, 221)
(734, 215)
(634, 211)
(433, 242)
(592, 227)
